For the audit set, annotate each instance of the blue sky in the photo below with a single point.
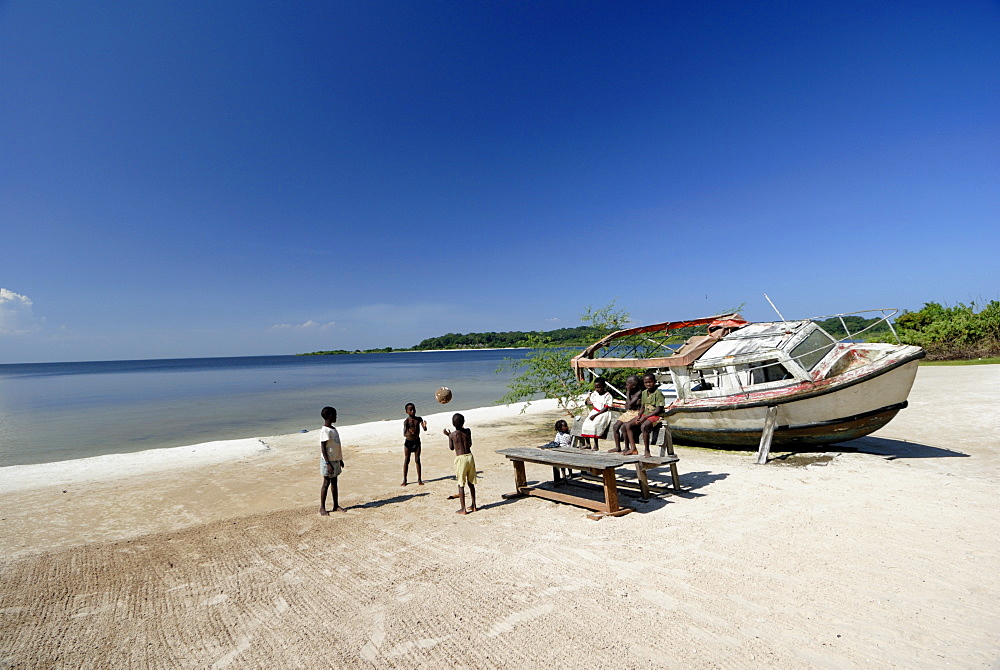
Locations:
(227, 178)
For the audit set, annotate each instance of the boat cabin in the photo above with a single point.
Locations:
(756, 357)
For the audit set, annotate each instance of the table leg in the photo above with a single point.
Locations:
(520, 479)
(610, 490)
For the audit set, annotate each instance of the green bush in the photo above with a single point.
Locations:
(957, 332)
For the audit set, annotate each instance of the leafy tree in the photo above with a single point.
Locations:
(547, 370)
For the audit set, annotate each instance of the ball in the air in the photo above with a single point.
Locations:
(443, 395)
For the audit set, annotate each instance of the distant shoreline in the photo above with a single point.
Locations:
(407, 351)
(419, 351)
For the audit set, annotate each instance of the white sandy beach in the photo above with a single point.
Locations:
(883, 554)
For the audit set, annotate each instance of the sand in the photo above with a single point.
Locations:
(881, 553)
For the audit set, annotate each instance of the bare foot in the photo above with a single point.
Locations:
(403, 484)
(323, 512)
(453, 496)
(473, 509)
(616, 450)
(646, 455)
(420, 483)
(630, 452)
(339, 509)
(461, 511)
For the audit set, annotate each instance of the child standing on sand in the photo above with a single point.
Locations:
(332, 459)
(411, 440)
(460, 441)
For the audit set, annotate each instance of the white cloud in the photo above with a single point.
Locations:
(308, 325)
(16, 317)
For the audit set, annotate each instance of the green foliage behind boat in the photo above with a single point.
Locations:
(959, 332)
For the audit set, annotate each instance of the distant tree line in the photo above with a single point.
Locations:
(561, 337)
(582, 335)
(334, 352)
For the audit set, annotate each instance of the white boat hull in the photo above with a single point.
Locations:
(851, 406)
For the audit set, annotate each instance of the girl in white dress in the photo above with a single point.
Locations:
(597, 421)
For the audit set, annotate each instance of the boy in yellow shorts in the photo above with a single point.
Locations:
(460, 441)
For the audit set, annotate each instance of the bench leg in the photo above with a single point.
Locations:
(640, 473)
(675, 477)
(668, 442)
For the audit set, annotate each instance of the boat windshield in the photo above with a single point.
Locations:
(810, 351)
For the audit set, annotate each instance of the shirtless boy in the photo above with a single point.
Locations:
(411, 441)
(460, 441)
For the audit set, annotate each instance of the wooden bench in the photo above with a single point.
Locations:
(592, 465)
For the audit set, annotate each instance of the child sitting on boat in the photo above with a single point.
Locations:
(597, 421)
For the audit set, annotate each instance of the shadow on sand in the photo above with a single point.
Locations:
(893, 449)
(413, 482)
(628, 493)
(389, 501)
(878, 446)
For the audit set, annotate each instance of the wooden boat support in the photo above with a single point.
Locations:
(767, 434)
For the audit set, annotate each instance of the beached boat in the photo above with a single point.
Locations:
(722, 376)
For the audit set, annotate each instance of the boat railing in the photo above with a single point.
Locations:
(884, 314)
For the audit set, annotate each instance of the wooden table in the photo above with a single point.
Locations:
(601, 465)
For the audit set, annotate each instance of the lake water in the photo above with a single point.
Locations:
(58, 411)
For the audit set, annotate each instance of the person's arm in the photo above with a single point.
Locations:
(451, 443)
(424, 424)
(468, 432)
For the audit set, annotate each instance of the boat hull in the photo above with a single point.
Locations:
(810, 415)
